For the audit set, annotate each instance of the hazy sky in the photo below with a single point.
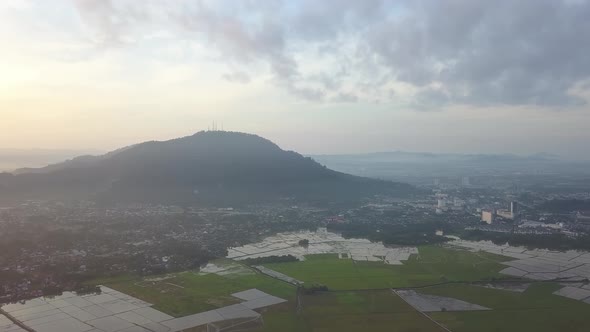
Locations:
(313, 76)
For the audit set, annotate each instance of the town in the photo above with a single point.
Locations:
(47, 247)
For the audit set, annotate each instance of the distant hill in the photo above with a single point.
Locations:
(11, 159)
(416, 167)
(212, 167)
(403, 156)
(79, 161)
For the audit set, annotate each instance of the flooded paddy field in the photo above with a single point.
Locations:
(460, 286)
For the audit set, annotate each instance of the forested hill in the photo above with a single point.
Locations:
(213, 167)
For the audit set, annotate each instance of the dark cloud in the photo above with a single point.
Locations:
(527, 52)
(490, 52)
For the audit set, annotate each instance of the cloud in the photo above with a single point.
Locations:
(306, 93)
(345, 97)
(237, 77)
(505, 52)
(483, 52)
(430, 98)
(111, 20)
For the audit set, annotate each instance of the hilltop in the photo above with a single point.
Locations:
(216, 167)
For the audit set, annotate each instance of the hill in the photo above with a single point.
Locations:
(11, 159)
(421, 167)
(212, 167)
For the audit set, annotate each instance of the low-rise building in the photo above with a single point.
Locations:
(487, 216)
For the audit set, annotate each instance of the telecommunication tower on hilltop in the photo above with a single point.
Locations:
(214, 127)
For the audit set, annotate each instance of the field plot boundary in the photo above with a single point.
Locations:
(309, 308)
(375, 310)
(436, 303)
(111, 310)
(15, 322)
(278, 275)
(422, 313)
(540, 265)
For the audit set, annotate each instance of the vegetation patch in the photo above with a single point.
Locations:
(434, 264)
(189, 292)
(535, 309)
(270, 259)
(344, 295)
(347, 311)
(362, 311)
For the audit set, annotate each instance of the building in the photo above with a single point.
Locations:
(537, 224)
(583, 217)
(514, 208)
(487, 216)
(465, 181)
(504, 214)
(509, 214)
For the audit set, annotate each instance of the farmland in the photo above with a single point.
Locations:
(359, 295)
(432, 265)
(369, 310)
(536, 309)
(189, 292)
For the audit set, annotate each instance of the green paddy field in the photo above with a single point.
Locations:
(360, 296)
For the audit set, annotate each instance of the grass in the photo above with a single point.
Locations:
(537, 309)
(283, 320)
(187, 293)
(379, 310)
(352, 307)
(434, 264)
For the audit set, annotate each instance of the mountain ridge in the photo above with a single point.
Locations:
(209, 167)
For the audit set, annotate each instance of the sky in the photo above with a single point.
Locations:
(330, 76)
